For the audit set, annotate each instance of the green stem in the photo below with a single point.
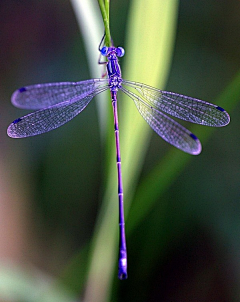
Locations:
(107, 2)
(104, 8)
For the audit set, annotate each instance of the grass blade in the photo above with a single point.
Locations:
(134, 133)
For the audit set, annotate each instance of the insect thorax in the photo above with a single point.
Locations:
(115, 82)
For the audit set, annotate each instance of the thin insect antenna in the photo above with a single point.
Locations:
(99, 47)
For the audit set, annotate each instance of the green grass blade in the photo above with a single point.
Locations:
(148, 60)
(104, 8)
(143, 63)
(91, 26)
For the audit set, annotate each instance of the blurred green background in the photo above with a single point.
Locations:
(187, 246)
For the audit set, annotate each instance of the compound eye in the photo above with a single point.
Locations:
(104, 51)
(120, 51)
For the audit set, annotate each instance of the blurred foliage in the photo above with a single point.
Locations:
(183, 226)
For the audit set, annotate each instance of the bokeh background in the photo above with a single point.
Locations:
(187, 247)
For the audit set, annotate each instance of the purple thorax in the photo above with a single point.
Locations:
(113, 67)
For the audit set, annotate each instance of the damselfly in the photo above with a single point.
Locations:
(58, 103)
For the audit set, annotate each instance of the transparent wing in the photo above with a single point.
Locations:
(171, 131)
(41, 96)
(45, 120)
(181, 106)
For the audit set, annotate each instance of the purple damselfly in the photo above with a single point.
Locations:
(58, 103)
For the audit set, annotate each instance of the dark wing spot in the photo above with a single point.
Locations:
(22, 89)
(220, 108)
(17, 120)
(193, 136)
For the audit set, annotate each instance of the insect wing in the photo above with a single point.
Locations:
(41, 96)
(171, 131)
(183, 107)
(45, 120)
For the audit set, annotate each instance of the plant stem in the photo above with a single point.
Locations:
(104, 8)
